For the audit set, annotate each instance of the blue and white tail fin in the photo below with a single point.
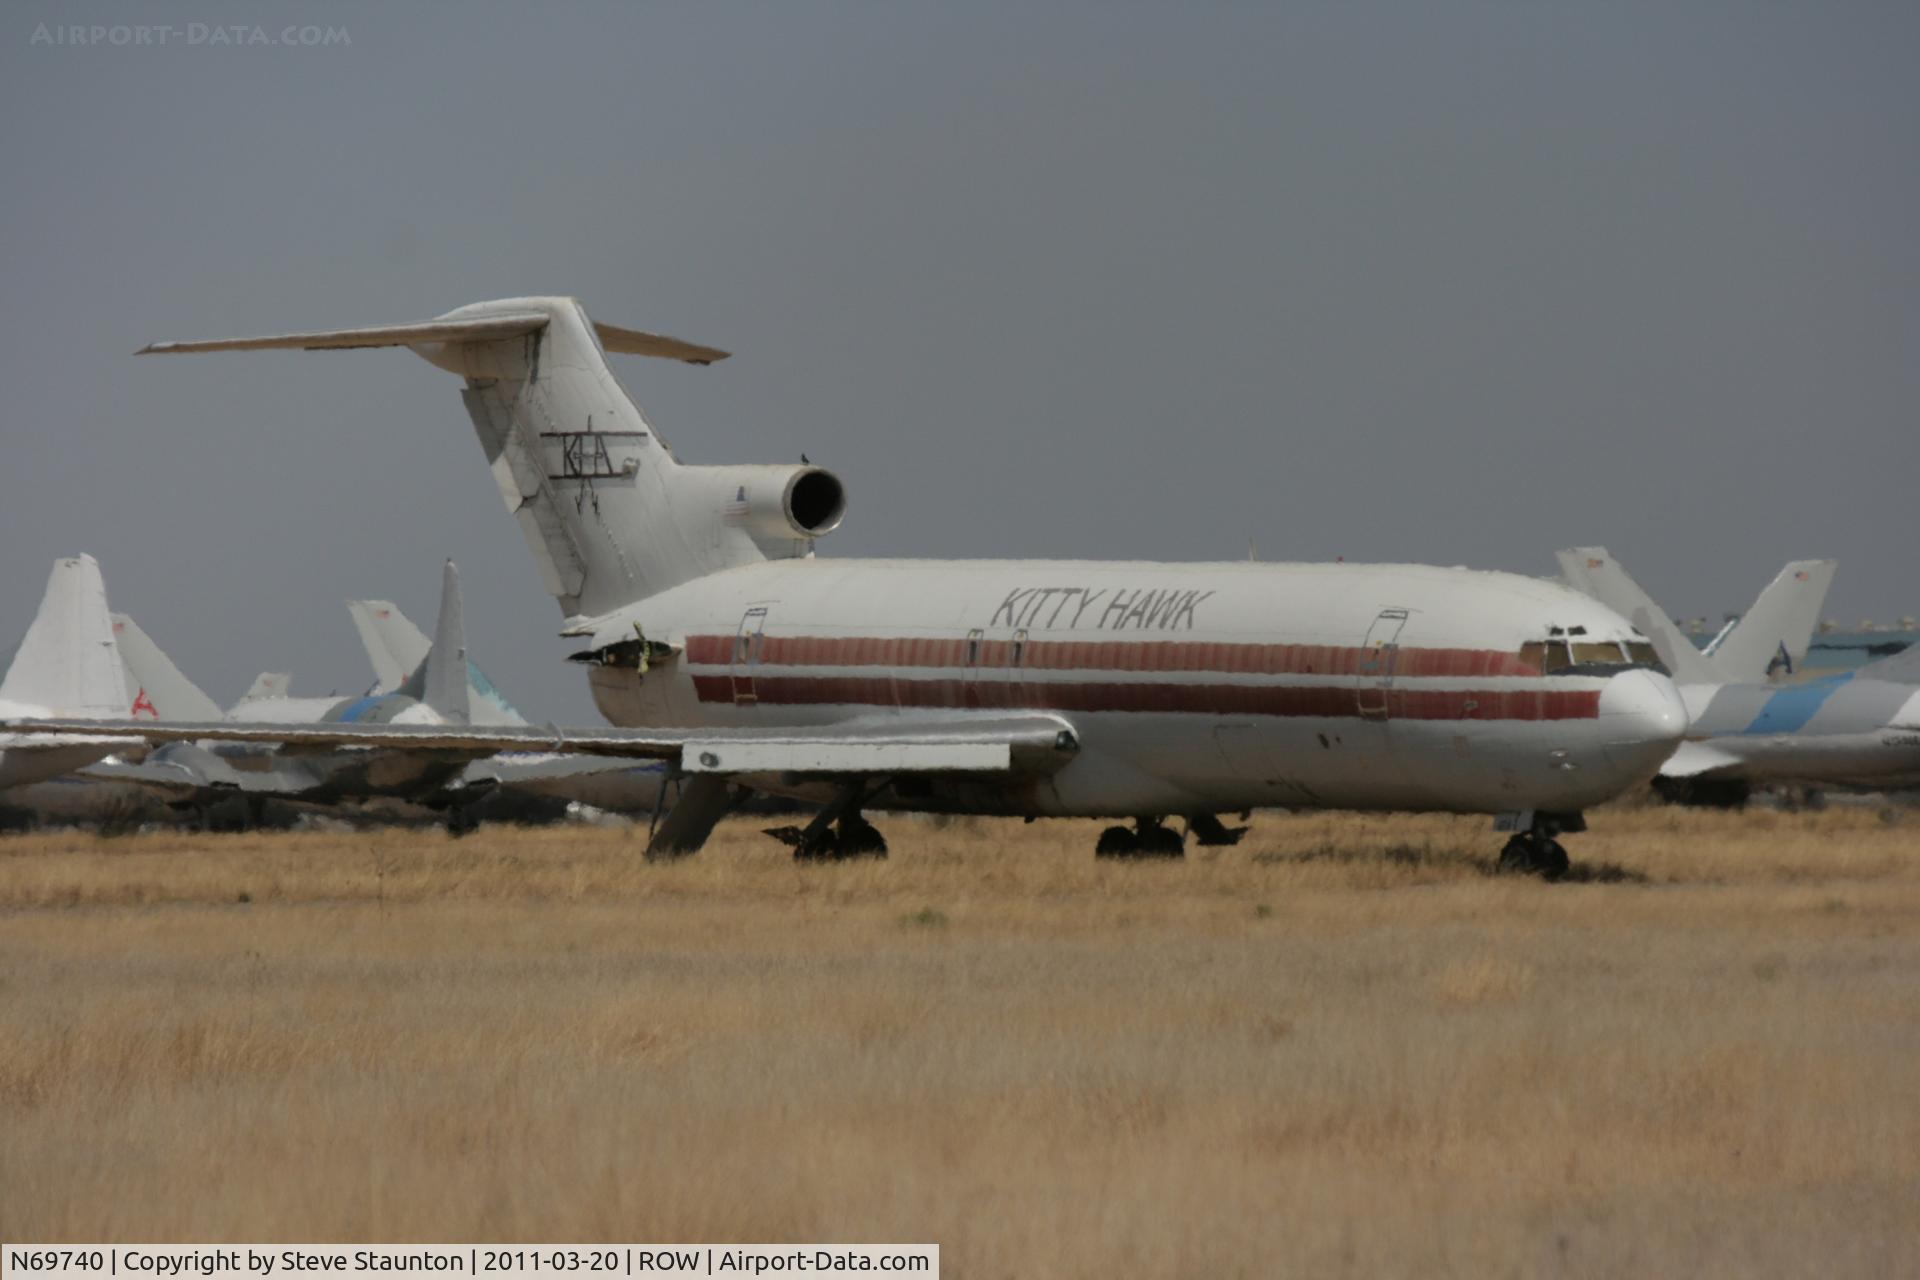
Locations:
(610, 514)
(1772, 636)
(161, 691)
(68, 664)
(397, 648)
(1594, 572)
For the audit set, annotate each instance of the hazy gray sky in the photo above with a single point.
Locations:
(1455, 283)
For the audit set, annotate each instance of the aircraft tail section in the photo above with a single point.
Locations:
(1779, 626)
(394, 645)
(397, 648)
(268, 684)
(161, 691)
(68, 663)
(610, 514)
(441, 680)
(1594, 572)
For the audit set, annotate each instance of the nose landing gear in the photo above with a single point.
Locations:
(1533, 850)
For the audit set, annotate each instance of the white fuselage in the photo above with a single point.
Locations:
(1197, 687)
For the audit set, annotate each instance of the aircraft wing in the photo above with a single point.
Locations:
(1021, 744)
(1698, 760)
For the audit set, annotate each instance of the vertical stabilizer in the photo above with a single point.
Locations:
(161, 691)
(398, 649)
(266, 685)
(1594, 572)
(394, 646)
(1779, 626)
(444, 677)
(68, 664)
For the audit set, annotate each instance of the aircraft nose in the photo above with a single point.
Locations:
(1643, 719)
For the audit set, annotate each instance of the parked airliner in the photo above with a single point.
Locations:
(1140, 691)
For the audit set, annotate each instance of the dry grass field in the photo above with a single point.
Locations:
(1339, 1048)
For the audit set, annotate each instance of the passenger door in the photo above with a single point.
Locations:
(746, 655)
(1379, 654)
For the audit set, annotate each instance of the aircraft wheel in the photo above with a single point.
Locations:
(859, 838)
(461, 822)
(1551, 860)
(1151, 839)
(1516, 857)
(1536, 855)
(1116, 842)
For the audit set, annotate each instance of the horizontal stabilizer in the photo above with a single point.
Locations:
(481, 329)
(633, 342)
(489, 328)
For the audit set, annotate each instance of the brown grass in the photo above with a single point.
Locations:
(1341, 1047)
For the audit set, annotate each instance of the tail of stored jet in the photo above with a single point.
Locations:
(440, 682)
(1779, 626)
(68, 663)
(611, 515)
(267, 685)
(396, 648)
(394, 645)
(1594, 572)
(160, 690)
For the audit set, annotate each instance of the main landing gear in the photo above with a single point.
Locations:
(1150, 837)
(837, 832)
(1534, 851)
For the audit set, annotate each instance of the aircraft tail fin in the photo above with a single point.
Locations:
(610, 514)
(443, 676)
(161, 691)
(268, 684)
(1594, 571)
(1779, 626)
(397, 650)
(394, 646)
(68, 663)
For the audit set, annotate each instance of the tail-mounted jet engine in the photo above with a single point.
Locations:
(775, 504)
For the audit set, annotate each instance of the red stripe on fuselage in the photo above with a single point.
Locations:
(996, 656)
(1321, 701)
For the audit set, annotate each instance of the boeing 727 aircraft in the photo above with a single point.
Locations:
(1139, 690)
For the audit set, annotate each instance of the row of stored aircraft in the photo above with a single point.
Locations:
(79, 659)
(716, 642)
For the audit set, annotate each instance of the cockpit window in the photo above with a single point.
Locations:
(1587, 657)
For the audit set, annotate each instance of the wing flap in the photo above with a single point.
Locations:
(1031, 744)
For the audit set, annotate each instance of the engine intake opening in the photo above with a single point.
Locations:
(816, 501)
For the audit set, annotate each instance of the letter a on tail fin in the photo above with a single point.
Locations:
(1779, 626)
(167, 693)
(69, 662)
